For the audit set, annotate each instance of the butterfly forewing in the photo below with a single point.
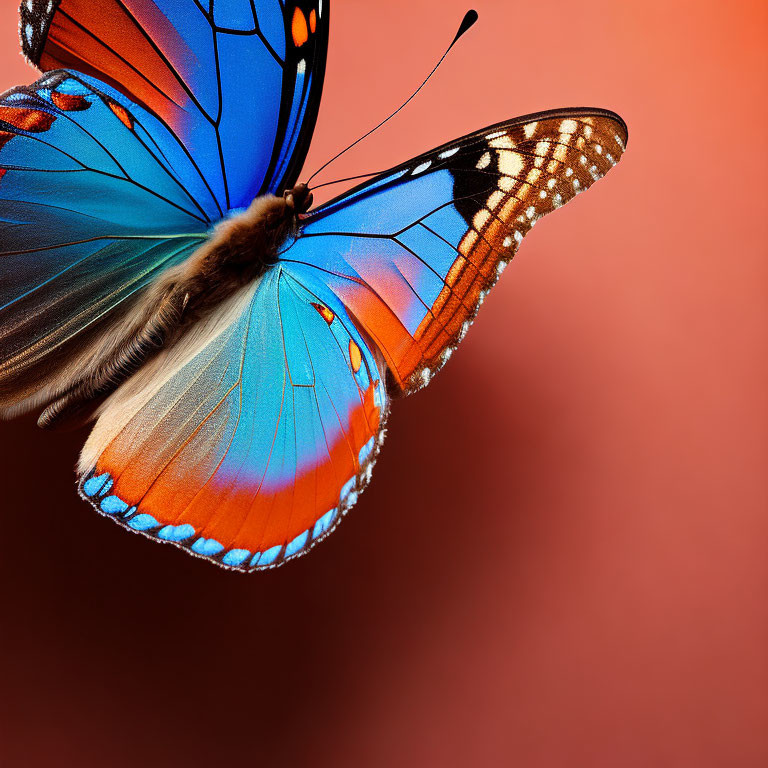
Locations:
(534, 168)
(414, 252)
(237, 82)
(91, 211)
(170, 112)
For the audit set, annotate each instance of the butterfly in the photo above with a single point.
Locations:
(164, 275)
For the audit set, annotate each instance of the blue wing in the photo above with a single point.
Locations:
(413, 252)
(237, 82)
(92, 208)
(247, 441)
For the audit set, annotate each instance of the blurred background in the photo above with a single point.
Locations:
(561, 560)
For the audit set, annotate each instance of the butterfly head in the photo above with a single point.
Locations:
(299, 199)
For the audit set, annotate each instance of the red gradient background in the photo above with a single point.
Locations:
(562, 558)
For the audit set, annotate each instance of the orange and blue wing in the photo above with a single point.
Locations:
(413, 253)
(253, 437)
(169, 114)
(237, 82)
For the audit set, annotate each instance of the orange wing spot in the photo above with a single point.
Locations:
(3, 171)
(326, 313)
(5, 137)
(299, 28)
(69, 102)
(355, 356)
(31, 120)
(313, 21)
(122, 114)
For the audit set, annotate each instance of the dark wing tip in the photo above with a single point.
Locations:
(621, 125)
(34, 22)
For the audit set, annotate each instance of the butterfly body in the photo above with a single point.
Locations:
(238, 252)
(237, 349)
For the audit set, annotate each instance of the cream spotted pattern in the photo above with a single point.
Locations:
(513, 174)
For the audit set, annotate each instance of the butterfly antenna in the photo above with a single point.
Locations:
(470, 17)
(347, 178)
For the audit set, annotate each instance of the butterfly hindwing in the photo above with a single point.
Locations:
(248, 441)
(91, 210)
(413, 252)
(238, 82)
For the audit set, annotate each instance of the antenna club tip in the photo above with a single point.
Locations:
(470, 17)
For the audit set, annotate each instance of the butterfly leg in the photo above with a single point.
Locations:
(298, 199)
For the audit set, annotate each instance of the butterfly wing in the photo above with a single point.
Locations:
(238, 82)
(92, 208)
(413, 252)
(173, 114)
(247, 441)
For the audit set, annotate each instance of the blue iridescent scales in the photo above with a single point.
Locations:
(237, 82)
(247, 440)
(301, 456)
(93, 209)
